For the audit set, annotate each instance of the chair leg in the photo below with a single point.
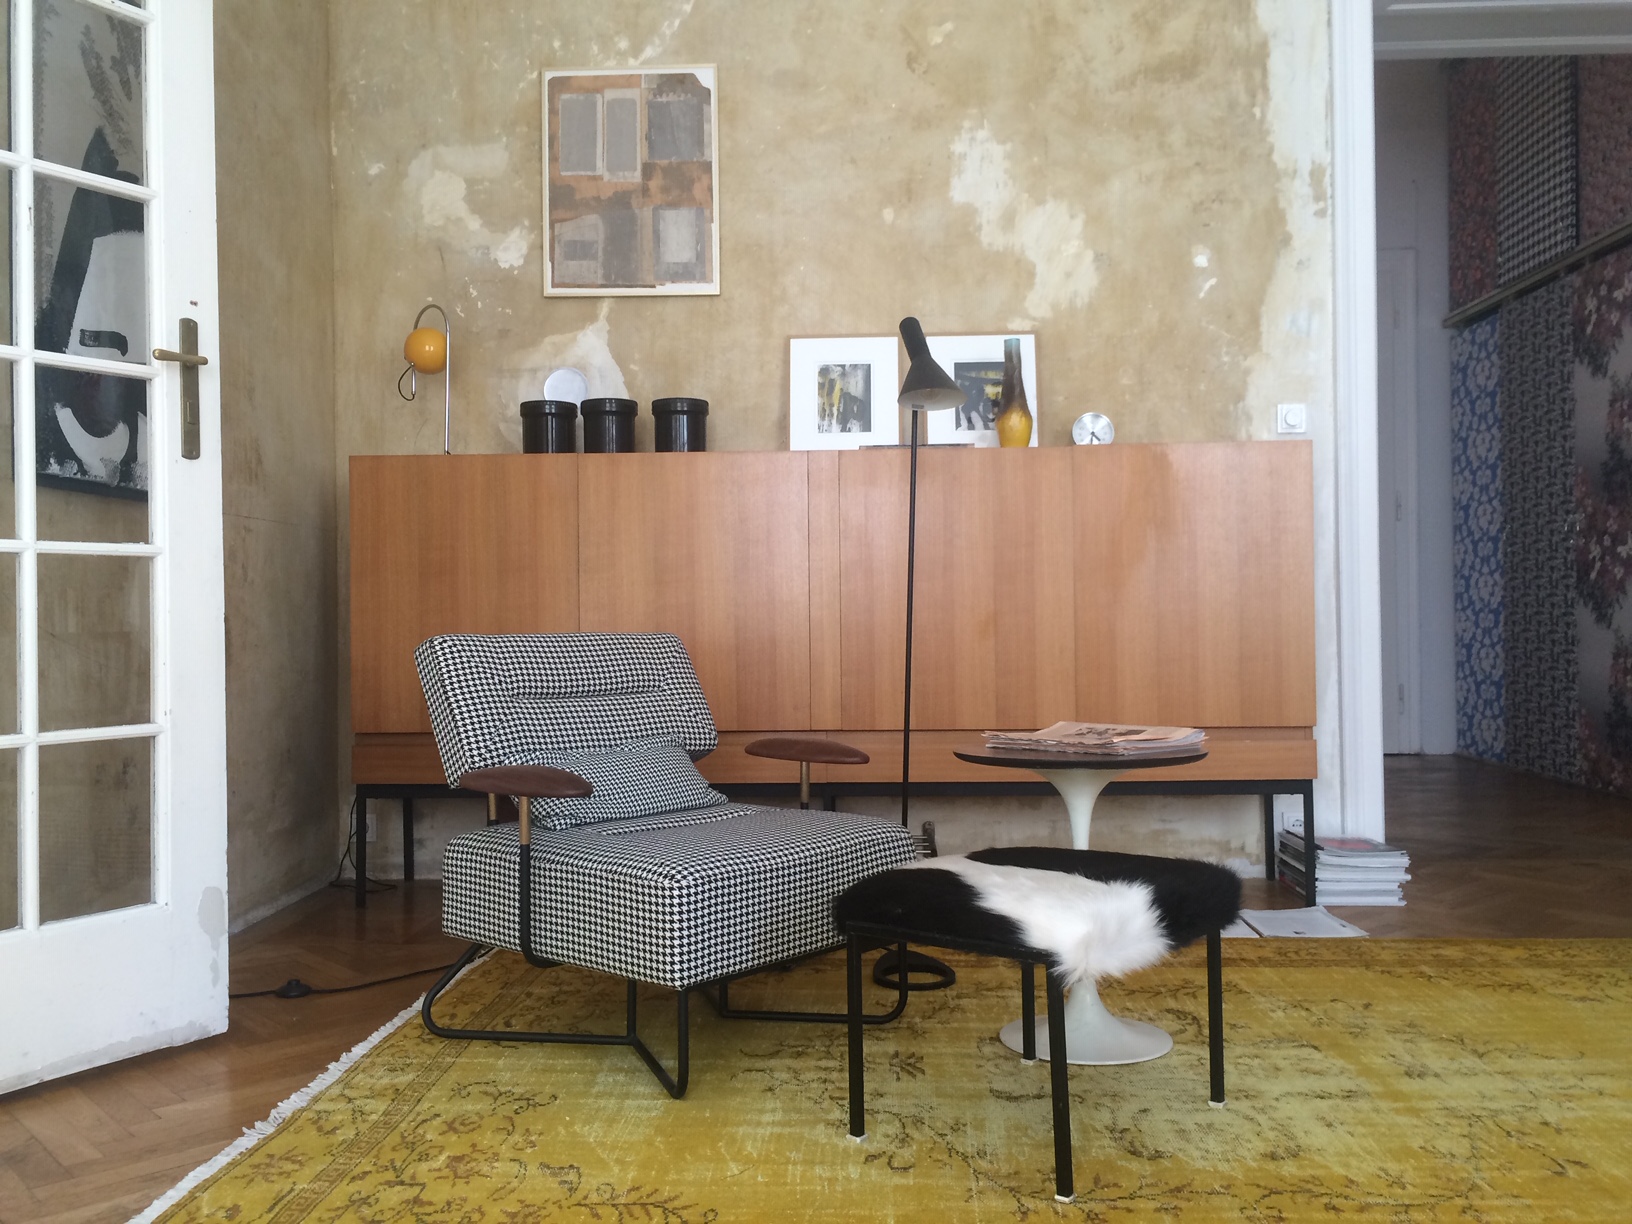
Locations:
(1215, 1017)
(1028, 1012)
(720, 1000)
(1270, 848)
(407, 837)
(442, 984)
(1060, 1089)
(359, 851)
(675, 1085)
(1310, 849)
(852, 977)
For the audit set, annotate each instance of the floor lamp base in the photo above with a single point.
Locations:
(932, 974)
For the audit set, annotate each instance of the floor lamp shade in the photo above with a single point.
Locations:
(927, 387)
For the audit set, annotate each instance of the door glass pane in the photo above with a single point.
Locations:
(96, 821)
(5, 254)
(90, 454)
(88, 90)
(5, 76)
(9, 917)
(90, 274)
(8, 491)
(8, 646)
(95, 641)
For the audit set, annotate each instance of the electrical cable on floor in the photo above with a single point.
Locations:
(370, 884)
(294, 988)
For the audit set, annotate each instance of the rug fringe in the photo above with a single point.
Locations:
(268, 1126)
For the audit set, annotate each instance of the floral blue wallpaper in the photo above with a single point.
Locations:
(1476, 484)
(1603, 497)
(1542, 427)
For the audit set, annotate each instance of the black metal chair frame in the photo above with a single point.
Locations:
(865, 934)
(674, 1085)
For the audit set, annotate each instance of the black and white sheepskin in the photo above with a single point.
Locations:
(1095, 913)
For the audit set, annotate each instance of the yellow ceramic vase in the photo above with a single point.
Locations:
(1014, 415)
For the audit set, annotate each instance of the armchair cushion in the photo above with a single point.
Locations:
(675, 900)
(643, 778)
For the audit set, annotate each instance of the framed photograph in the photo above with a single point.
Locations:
(842, 393)
(976, 364)
(631, 184)
(90, 258)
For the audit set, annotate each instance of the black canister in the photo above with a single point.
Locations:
(681, 423)
(549, 427)
(609, 425)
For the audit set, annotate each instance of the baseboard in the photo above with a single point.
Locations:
(266, 910)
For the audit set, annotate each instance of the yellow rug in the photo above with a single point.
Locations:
(1368, 1080)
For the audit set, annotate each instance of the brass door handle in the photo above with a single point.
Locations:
(189, 360)
(186, 359)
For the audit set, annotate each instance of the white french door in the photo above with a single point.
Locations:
(113, 911)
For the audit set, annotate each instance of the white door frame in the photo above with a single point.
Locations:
(1398, 510)
(84, 991)
(1359, 616)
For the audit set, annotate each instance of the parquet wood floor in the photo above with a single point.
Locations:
(101, 1145)
(1495, 853)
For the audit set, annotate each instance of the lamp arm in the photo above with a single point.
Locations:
(912, 541)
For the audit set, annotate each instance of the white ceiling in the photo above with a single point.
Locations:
(1446, 29)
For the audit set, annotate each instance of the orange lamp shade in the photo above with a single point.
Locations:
(426, 350)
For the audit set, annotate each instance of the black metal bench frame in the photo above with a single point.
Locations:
(863, 935)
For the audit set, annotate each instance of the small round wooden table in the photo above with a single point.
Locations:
(1092, 1034)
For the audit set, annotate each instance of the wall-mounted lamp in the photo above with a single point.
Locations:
(427, 352)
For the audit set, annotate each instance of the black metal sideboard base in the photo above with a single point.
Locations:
(829, 792)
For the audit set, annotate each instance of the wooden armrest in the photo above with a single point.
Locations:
(528, 781)
(818, 751)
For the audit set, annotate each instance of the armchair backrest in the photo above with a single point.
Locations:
(500, 699)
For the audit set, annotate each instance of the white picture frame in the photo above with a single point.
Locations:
(980, 357)
(842, 392)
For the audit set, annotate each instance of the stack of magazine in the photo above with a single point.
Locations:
(1102, 739)
(1348, 870)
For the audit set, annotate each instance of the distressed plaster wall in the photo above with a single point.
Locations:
(1143, 185)
(278, 447)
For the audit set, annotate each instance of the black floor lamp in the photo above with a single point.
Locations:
(926, 388)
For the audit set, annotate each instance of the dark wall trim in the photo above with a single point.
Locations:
(1612, 240)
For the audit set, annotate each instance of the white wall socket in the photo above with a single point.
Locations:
(1291, 418)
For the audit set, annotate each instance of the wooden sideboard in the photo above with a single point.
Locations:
(1157, 583)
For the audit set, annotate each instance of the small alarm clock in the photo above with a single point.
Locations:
(1092, 428)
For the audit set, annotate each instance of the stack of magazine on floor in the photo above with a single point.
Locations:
(1103, 739)
(1348, 870)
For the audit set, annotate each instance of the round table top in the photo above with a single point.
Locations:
(1027, 758)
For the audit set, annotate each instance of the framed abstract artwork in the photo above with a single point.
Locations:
(631, 183)
(976, 364)
(842, 393)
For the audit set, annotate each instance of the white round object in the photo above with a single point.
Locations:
(1092, 428)
(567, 384)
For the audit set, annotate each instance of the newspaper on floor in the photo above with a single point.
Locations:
(1113, 739)
(1313, 923)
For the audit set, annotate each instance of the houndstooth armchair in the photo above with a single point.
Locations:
(624, 859)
